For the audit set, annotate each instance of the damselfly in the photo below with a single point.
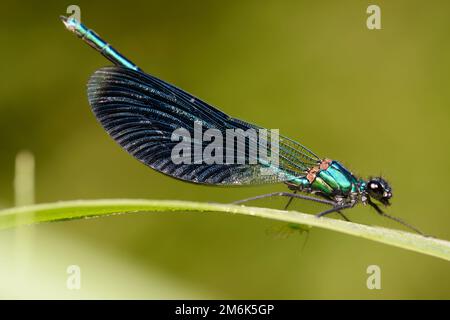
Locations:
(141, 112)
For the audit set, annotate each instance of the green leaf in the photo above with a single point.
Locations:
(59, 211)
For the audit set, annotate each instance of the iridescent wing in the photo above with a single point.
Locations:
(141, 112)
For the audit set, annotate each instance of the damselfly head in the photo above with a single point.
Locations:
(379, 189)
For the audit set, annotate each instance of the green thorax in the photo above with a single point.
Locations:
(331, 181)
(334, 180)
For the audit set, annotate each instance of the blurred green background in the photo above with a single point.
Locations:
(376, 100)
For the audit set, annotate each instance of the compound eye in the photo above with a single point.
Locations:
(374, 186)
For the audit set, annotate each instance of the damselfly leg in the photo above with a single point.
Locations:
(337, 209)
(338, 212)
(382, 213)
(286, 194)
(291, 196)
(289, 201)
(343, 216)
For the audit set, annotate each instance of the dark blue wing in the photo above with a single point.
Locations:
(141, 112)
